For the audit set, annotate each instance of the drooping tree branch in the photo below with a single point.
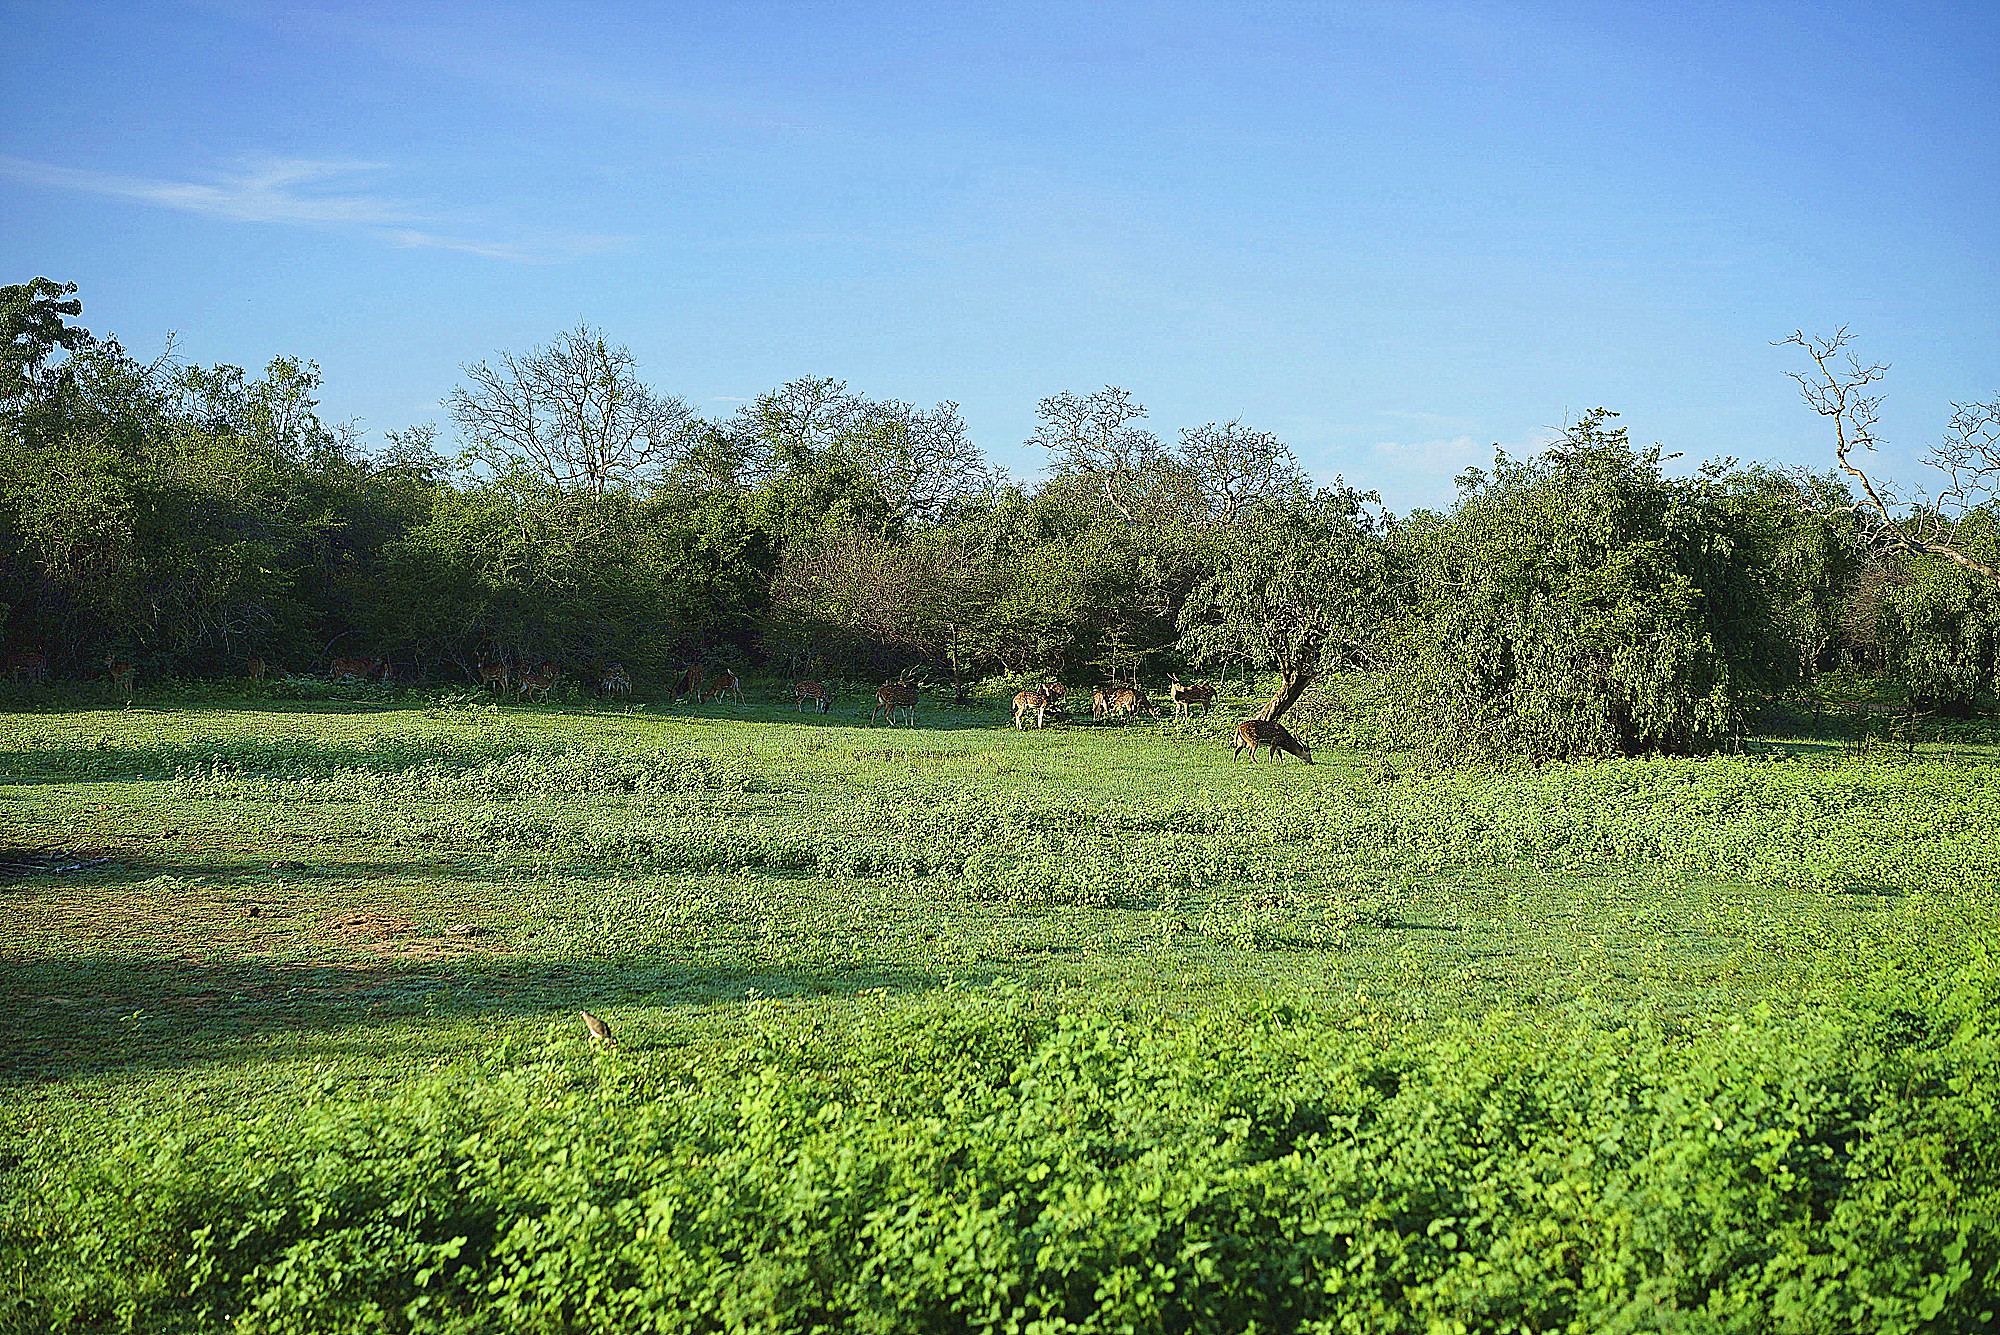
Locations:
(1969, 457)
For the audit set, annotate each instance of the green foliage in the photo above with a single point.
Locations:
(1940, 624)
(1301, 590)
(1579, 604)
(1006, 1161)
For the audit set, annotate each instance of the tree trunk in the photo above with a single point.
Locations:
(1288, 694)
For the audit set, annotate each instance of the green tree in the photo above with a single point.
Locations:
(1302, 591)
(1576, 604)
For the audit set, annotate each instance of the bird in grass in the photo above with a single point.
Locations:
(597, 1029)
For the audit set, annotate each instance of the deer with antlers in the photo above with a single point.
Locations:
(1252, 733)
(893, 696)
(1186, 696)
(1039, 699)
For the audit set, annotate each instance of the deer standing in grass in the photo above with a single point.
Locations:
(122, 673)
(494, 672)
(893, 696)
(616, 680)
(1188, 695)
(813, 691)
(29, 666)
(1130, 700)
(1252, 733)
(724, 683)
(361, 669)
(539, 683)
(255, 668)
(1039, 699)
(691, 682)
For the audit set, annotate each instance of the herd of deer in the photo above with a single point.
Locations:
(702, 685)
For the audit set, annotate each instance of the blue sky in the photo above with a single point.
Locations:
(1391, 233)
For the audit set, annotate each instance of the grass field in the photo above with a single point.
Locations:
(226, 919)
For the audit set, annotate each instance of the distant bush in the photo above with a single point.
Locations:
(998, 1161)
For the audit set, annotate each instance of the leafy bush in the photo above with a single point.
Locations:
(1001, 1161)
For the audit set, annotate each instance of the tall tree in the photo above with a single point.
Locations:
(1303, 592)
(1093, 437)
(574, 414)
(1232, 470)
(1580, 603)
(1967, 460)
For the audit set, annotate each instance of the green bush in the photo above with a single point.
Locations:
(1000, 1161)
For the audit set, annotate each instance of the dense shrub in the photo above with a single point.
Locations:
(998, 1161)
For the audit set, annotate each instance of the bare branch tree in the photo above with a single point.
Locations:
(1231, 469)
(573, 414)
(1093, 436)
(1969, 457)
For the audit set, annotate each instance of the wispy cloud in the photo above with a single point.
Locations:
(299, 192)
(1436, 458)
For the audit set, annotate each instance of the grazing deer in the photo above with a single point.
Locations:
(724, 683)
(122, 673)
(539, 683)
(690, 682)
(255, 668)
(616, 681)
(893, 696)
(1038, 700)
(360, 669)
(1268, 733)
(1100, 702)
(494, 672)
(813, 691)
(1186, 696)
(1130, 700)
(29, 666)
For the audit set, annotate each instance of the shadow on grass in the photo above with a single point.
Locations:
(77, 1015)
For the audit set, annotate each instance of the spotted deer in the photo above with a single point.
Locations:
(1252, 733)
(122, 673)
(495, 673)
(893, 696)
(361, 669)
(1186, 696)
(538, 684)
(813, 691)
(690, 682)
(1130, 700)
(1039, 699)
(724, 683)
(29, 666)
(1100, 702)
(616, 680)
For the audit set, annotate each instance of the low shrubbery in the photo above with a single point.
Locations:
(1020, 1161)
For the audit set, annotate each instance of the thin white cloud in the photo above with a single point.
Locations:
(298, 192)
(274, 190)
(1436, 458)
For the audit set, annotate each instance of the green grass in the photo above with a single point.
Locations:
(217, 911)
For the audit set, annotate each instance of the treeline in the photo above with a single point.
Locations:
(186, 518)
